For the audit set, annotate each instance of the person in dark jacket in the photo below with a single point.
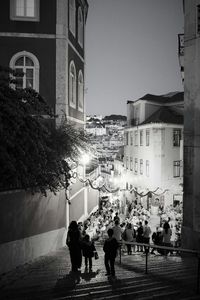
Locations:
(110, 248)
(139, 237)
(156, 238)
(88, 250)
(74, 243)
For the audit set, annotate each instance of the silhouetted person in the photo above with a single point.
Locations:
(139, 237)
(117, 231)
(74, 243)
(116, 217)
(146, 234)
(88, 249)
(156, 238)
(110, 248)
(167, 233)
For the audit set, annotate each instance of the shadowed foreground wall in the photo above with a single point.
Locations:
(31, 225)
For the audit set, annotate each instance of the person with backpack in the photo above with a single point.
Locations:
(110, 248)
(129, 235)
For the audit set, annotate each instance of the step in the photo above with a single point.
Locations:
(117, 292)
(173, 295)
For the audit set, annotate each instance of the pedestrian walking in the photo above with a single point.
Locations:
(129, 236)
(139, 237)
(88, 249)
(110, 248)
(73, 241)
(116, 217)
(156, 238)
(117, 231)
(167, 233)
(146, 234)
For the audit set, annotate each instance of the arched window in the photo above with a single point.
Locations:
(27, 63)
(80, 91)
(80, 26)
(72, 85)
(72, 16)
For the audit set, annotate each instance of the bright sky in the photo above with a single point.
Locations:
(131, 50)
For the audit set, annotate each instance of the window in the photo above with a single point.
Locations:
(80, 26)
(141, 166)
(176, 137)
(147, 168)
(136, 138)
(141, 137)
(26, 63)
(136, 165)
(198, 19)
(80, 91)
(72, 85)
(147, 137)
(24, 10)
(72, 16)
(131, 164)
(177, 166)
(131, 138)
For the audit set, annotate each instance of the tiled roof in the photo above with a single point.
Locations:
(164, 115)
(171, 97)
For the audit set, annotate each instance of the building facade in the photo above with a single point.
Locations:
(153, 147)
(45, 40)
(191, 203)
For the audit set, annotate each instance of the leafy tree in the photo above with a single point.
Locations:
(115, 117)
(33, 152)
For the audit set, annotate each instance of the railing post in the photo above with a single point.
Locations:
(146, 265)
(198, 274)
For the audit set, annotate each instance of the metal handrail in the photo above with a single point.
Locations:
(147, 246)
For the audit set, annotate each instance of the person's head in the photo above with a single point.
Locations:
(73, 225)
(145, 222)
(140, 223)
(129, 226)
(87, 238)
(110, 232)
(116, 214)
(116, 222)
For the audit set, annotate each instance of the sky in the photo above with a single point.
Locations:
(131, 49)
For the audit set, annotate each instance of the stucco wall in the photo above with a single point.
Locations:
(93, 199)
(191, 203)
(31, 225)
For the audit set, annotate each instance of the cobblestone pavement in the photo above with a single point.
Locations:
(49, 277)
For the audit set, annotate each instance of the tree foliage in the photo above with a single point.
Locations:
(33, 152)
(115, 117)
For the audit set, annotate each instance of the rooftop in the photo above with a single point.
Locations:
(163, 99)
(164, 115)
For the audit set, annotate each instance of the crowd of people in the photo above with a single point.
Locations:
(113, 229)
(134, 221)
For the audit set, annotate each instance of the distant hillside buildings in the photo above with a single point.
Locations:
(107, 135)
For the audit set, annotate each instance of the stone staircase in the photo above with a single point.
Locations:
(170, 277)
